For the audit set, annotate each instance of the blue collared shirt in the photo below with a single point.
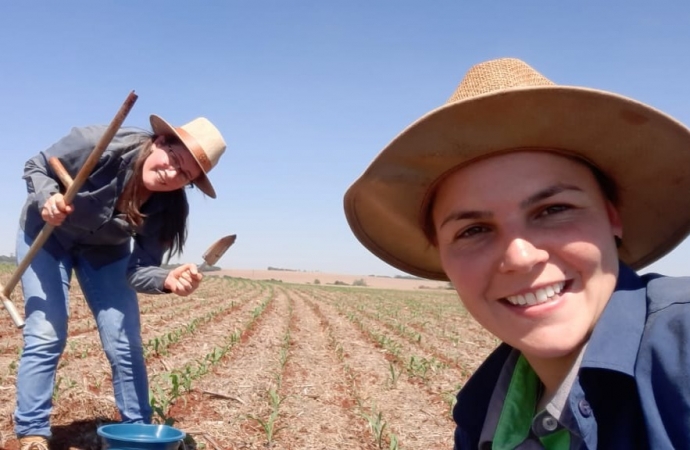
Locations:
(633, 386)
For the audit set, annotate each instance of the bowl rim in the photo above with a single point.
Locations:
(103, 431)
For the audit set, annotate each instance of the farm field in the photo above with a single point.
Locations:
(255, 364)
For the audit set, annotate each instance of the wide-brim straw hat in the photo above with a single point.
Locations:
(505, 105)
(204, 142)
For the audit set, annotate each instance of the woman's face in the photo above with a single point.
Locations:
(170, 166)
(527, 239)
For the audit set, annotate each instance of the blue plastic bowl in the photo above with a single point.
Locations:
(139, 436)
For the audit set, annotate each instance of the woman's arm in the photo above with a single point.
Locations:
(72, 150)
(145, 275)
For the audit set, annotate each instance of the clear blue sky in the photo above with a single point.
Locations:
(306, 93)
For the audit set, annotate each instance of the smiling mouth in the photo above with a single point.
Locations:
(160, 177)
(538, 296)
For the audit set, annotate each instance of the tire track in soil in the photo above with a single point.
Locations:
(420, 421)
(455, 370)
(318, 406)
(469, 350)
(93, 397)
(465, 352)
(440, 376)
(242, 381)
(209, 334)
(206, 300)
(85, 382)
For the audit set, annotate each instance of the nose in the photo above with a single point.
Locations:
(521, 255)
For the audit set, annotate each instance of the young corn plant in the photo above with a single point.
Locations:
(160, 404)
(393, 375)
(377, 426)
(420, 367)
(56, 389)
(450, 397)
(283, 356)
(339, 351)
(393, 441)
(268, 425)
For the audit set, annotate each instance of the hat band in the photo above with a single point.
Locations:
(195, 148)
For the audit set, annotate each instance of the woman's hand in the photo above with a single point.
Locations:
(55, 210)
(183, 280)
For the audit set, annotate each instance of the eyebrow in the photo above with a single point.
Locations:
(546, 193)
(529, 201)
(466, 215)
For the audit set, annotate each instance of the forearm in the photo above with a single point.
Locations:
(148, 280)
(144, 272)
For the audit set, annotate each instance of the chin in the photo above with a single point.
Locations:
(153, 187)
(550, 350)
(150, 182)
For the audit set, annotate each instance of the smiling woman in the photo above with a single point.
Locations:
(537, 202)
(542, 226)
(130, 213)
(163, 169)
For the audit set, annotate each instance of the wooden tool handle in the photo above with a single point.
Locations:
(12, 310)
(72, 190)
(102, 144)
(60, 171)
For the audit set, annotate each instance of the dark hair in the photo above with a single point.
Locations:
(175, 208)
(607, 185)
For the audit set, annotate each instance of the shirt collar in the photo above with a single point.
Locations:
(614, 344)
(615, 341)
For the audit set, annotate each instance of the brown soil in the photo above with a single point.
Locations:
(283, 364)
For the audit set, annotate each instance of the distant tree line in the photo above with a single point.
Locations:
(402, 277)
(408, 277)
(283, 270)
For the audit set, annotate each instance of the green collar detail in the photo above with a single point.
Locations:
(519, 409)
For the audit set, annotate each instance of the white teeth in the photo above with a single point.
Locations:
(537, 297)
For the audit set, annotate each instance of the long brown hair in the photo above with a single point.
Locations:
(175, 208)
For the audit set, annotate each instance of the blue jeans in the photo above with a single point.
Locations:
(115, 307)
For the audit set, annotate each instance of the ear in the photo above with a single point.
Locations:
(614, 219)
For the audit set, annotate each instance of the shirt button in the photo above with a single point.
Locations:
(549, 423)
(585, 409)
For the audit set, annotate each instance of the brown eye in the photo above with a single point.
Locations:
(472, 231)
(553, 209)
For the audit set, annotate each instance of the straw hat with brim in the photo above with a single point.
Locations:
(505, 105)
(204, 142)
